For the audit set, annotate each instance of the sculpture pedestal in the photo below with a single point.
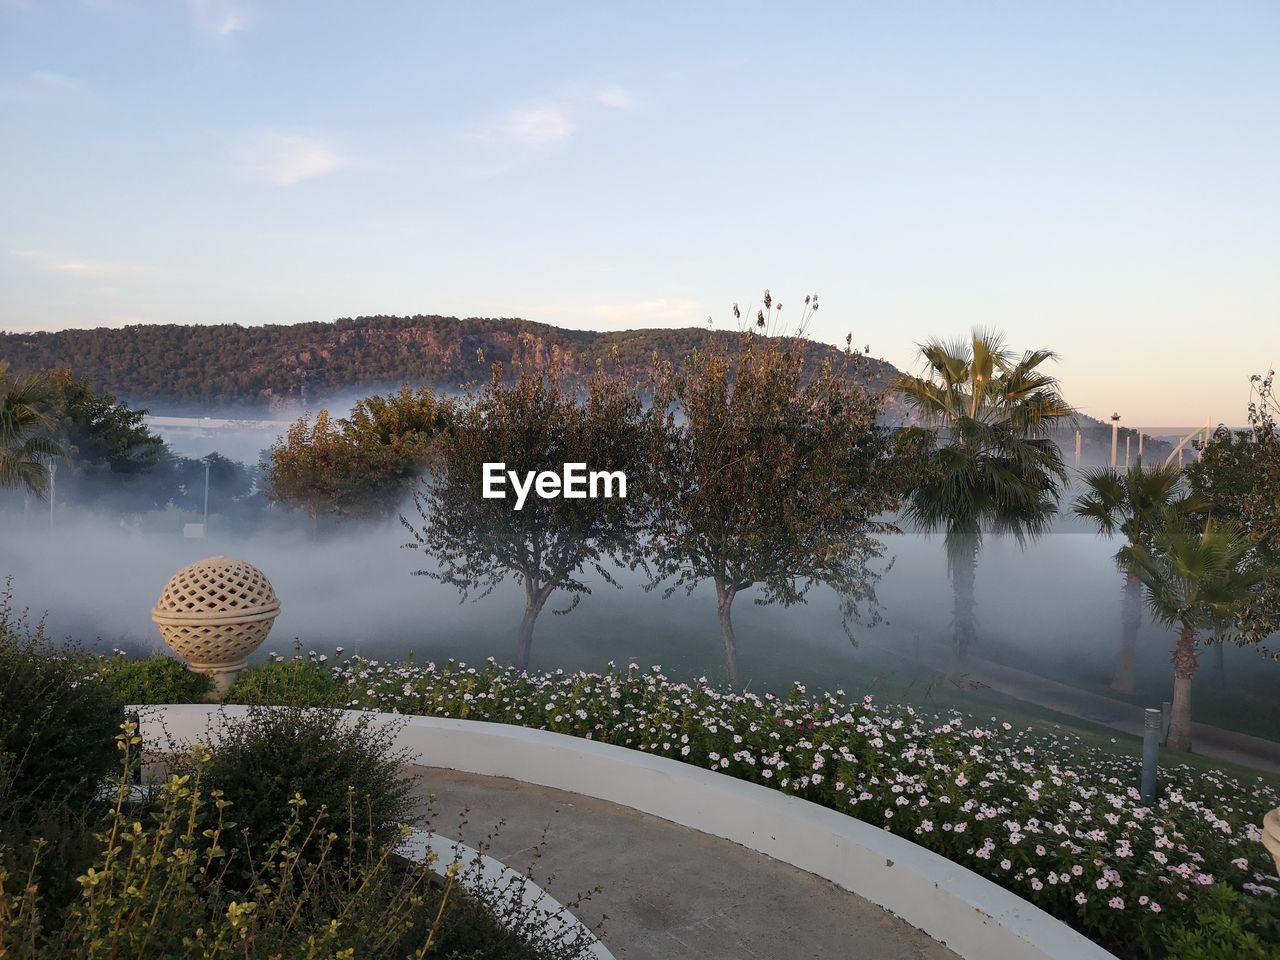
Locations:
(223, 676)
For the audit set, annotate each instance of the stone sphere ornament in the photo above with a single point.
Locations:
(214, 613)
(1271, 834)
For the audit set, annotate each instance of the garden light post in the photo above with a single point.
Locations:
(205, 520)
(53, 470)
(1115, 437)
(1150, 752)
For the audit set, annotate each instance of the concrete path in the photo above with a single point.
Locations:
(1206, 740)
(669, 893)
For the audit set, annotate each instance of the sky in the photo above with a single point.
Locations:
(1095, 178)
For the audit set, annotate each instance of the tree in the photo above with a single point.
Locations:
(362, 466)
(992, 467)
(25, 427)
(547, 543)
(768, 476)
(108, 445)
(1238, 476)
(1196, 578)
(102, 435)
(1132, 504)
(307, 467)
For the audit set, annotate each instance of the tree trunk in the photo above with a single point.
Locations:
(963, 566)
(1122, 679)
(535, 599)
(724, 607)
(1219, 667)
(1184, 669)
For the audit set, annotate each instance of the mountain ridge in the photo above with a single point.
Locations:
(192, 367)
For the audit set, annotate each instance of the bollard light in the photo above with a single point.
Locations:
(1150, 752)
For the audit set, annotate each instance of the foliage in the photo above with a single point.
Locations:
(201, 365)
(156, 888)
(535, 425)
(1131, 503)
(347, 768)
(767, 478)
(1223, 930)
(25, 425)
(297, 681)
(101, 434)
(1238, 474)
(993, 466)
(362, 466)
(1199, 578)
(56, 723)
(1049, 817)
(151, 680)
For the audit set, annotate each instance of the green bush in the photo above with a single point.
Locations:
(157, 679)
(57, 721)
(298, 682)
(346, 768)
(1226, 928)
(155, 888)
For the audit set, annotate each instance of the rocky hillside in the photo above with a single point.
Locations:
(194, 369)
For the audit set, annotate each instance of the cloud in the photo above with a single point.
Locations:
(37, 85)
(78, 266)
(286, 158)
(532, 126)
(218, 16)
(617, 98)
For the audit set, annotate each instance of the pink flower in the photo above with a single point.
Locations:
(1116, 903)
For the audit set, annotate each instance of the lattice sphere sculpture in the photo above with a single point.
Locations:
(214, 613)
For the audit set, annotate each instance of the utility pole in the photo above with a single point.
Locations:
(1115, 437)
(53, 469)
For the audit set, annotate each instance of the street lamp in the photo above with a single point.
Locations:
(53, 470)
(1115, 437)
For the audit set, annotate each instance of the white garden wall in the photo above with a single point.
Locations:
(971, 915)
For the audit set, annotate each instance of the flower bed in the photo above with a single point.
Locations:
(1058, 822)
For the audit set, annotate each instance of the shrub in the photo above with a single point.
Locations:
(299, 682)
(57, 721)
(348, 769)
(152, 680)
(156, 889)
(1221, 931)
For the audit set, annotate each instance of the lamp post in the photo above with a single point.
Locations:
(53, 471)
(1115, 437)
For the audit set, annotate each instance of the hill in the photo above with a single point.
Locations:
(174, 368)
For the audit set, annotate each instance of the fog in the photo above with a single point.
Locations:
(1051, 609)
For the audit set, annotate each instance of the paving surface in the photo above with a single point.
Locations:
(1206, 740)
(670, 893)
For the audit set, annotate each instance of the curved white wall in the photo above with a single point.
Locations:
(971, 915)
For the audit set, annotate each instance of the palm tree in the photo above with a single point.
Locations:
(991, 465)
(24, 451)
(1131, 503)
(1197, 579)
